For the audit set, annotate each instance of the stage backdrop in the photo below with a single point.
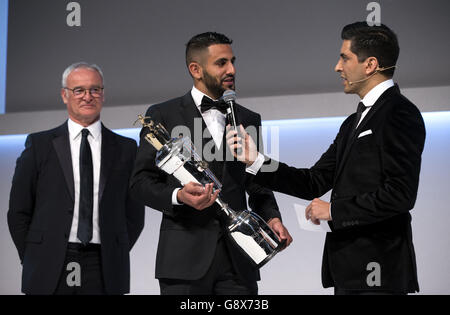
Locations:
(282, 47)
(286, 52)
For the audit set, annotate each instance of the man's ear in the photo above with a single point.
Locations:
(64, 96)
(196, 70)
(372, 65)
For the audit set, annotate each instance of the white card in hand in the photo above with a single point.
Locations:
(307, 225)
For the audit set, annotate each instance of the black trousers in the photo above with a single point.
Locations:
(82, 273)
(220, 279)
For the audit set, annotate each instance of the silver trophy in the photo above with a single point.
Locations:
(177, 157)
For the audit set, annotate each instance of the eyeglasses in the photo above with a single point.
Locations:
(80, 92)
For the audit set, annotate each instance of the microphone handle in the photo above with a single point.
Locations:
(232, 120)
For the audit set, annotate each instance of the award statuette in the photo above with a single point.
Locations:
(177, 157)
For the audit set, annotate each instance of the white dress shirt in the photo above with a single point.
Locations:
(214, 119)
(95, 141)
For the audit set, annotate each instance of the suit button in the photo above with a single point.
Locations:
(70, 211)
(335, 195)
(66, 235)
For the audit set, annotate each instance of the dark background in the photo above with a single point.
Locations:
(282, 47)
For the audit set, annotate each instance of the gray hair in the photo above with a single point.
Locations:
(79, 65)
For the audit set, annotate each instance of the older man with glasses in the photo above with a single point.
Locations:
(70, 213)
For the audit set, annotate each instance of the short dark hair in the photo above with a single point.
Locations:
(202, 41)
(373, 41)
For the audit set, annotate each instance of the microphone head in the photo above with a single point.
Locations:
(229, 95)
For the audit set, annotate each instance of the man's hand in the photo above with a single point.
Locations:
(318, 210)
(197, 196)
(281, 231)
(248, 152)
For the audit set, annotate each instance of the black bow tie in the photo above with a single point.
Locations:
(208, 104)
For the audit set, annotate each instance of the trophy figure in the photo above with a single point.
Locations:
(177, 157)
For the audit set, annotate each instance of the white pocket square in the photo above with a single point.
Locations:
(365, 133)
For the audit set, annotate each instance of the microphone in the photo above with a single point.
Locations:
(229, 97)
(376, 71)
(353, 82)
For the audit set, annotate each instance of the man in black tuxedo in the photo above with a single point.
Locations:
(372, 167)
(70, 214)
(194, 255)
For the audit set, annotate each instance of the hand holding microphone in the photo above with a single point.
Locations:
(239, 141)
(241, 145)
(229, 97)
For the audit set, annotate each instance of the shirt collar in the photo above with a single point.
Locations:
(197, 96)
(75, 129)
(375, 93)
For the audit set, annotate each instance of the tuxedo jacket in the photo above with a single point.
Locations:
(188, 237)
(374, 176)
(41, 209)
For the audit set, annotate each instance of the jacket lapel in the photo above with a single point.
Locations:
(191, 118)
(61, 144)
(107, 160)
(353, 136)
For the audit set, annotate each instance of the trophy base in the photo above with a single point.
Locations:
(250, 249)
(254, 238)
(276, 251)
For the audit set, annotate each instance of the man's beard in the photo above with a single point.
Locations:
(214, 87)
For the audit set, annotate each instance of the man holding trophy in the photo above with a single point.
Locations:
(209, 243)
